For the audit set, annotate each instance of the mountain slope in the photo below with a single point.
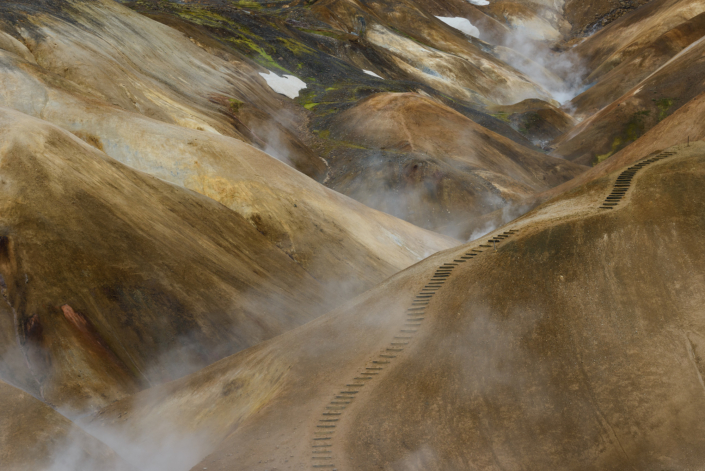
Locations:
(117, 280)
(434, 167)
(641, 69)
(34, 436)
(630, 72)
(345, 52)
(626, 37)
(181, 279)
(588, 17)
(551, 352)
(638, 110)
(313, 225)
(160, 73)
(686, 124)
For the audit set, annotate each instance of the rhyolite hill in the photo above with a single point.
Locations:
(440, 251)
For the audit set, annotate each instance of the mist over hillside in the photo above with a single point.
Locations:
(352, 235)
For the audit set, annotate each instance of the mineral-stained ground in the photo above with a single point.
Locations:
(352, 234)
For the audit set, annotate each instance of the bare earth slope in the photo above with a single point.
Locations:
(626, 37)
(630, 72)
(161, 74)
(540, 121)
(588, 17)
(643, 68)
(451, 170)
(552, 352)
(430, 51)
(334, 46)
(117, 280)
(638, 110)
(688, 123)
(191, 144)
(34, 436)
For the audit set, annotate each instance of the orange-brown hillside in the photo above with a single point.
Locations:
(553, 350)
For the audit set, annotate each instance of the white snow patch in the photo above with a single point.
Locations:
(481, 3)
(369, 72)
(287, 85)
(461, 24)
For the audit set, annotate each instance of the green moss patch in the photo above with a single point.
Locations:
(636, 125)
(663, 105)
(235, 105)
(616, 146)
(502, 116)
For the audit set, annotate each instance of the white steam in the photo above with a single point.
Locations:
(275, 146)
(79, 451)
(155, 447)
(498, 366)
(461, 24)
(420, 460)
(504, 216)
(287, 85)
(560, 73)
(484, 230)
